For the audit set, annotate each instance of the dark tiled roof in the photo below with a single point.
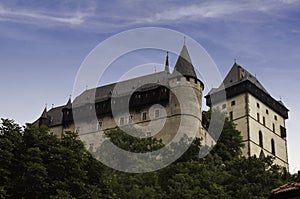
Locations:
(287, 187)
(184, 64)
(45, 114)
(122, 88)
(288, 190)
(56, 115)
(102, 93)
(238, 74)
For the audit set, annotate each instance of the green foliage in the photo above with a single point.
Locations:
(131, 143)
(37, 164)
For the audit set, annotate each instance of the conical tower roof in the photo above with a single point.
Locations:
(68, 105)
(45, 114)
(167, 68)
(184, 64)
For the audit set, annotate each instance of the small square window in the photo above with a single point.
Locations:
(144, 116)
(233, 103)
(99, 125)
(91, 148)
(130, 119)
(121, 120)
(156, 113)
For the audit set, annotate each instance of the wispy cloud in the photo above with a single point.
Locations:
(225, 10)
(100, 16)
(48, 17)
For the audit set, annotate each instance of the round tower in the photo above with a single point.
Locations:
(186, 95)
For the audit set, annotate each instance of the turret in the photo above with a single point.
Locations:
(67, 114)
(45, 119)
(187, 88)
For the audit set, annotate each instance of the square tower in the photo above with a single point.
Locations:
(259, 117)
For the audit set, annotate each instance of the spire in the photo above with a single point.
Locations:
(184, 64)
(167, 69)
(45, 119)
(45, 113)
(69, 104)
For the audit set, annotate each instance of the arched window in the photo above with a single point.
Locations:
(273, 146)
(260, 139)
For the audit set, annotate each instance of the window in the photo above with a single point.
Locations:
(233, 103)
(144, 116)
(275, 117)
(91, 148)
(187, 79)
(264, 121)
(130, 119)
(121, 120)
(267, 111)
(99, 125)
(260, 135)
(257, 104)
(77, 130)
(231, 115)
(273, 127)
(258, 117)
(272, 146)
(156, 113)
(282, 132)
(223, 106)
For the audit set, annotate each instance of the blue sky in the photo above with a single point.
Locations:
(43, 43)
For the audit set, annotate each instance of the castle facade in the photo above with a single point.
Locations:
(175, 100)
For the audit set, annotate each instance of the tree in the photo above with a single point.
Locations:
(37, 164)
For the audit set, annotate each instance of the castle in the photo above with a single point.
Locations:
(175, 99)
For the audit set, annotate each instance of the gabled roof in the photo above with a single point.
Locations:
(184, 64)
(238, 81)
(238, 74)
